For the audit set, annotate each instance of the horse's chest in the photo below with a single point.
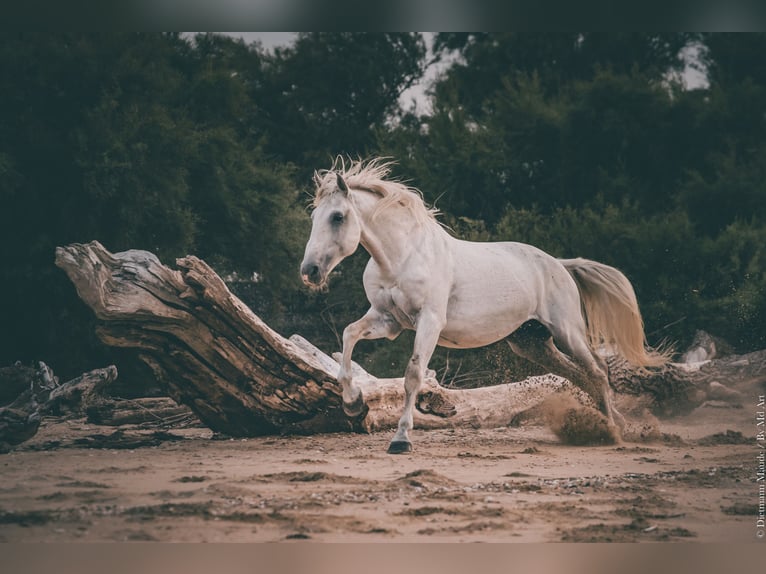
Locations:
(399, 304)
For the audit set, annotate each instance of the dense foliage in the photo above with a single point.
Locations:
(582, 144)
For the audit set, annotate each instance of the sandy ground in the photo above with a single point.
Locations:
(74, 482)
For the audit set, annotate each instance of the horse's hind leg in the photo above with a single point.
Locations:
(596, 382)
(535, 342)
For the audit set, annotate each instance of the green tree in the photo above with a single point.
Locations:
(139, 141)
(87, 161)
(329, 92)
(558, 59)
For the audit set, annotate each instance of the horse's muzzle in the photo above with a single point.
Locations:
(311, 275)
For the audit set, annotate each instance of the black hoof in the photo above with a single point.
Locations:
(399, 447)
(356, 408)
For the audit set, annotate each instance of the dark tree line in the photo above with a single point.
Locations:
(583, 144)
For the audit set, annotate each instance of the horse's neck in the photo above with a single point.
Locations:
(389, 237)
(377, 250)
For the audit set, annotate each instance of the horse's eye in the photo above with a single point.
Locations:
(337, 217)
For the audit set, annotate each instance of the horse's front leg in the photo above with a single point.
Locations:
(374, 325)
(429, 327)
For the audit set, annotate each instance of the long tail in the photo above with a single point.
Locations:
(611, 312)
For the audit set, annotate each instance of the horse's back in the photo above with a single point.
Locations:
(518, 269)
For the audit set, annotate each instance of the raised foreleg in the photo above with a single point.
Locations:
(374, 325)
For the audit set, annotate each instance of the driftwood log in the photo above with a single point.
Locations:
(241, 378)
(84, 396)
(43, 395)
(678, 388)
(156, 412)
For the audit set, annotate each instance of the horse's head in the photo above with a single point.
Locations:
(335, 233)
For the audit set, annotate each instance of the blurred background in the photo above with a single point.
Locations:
(643, 151)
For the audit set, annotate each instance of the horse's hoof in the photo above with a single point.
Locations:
(356, 408)
(399, 447)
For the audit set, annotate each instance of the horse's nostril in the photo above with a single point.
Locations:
(310, 273)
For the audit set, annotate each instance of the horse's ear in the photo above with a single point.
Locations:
(341, 184)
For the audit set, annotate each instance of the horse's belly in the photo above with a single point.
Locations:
(471, 336)
(477, 329)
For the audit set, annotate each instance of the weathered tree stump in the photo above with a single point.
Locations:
(20, 420)
(84, 396)
(14, 380)
(242, 378)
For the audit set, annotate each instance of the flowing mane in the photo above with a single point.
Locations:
(371, 176)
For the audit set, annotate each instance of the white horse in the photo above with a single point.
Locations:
(464, 294)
